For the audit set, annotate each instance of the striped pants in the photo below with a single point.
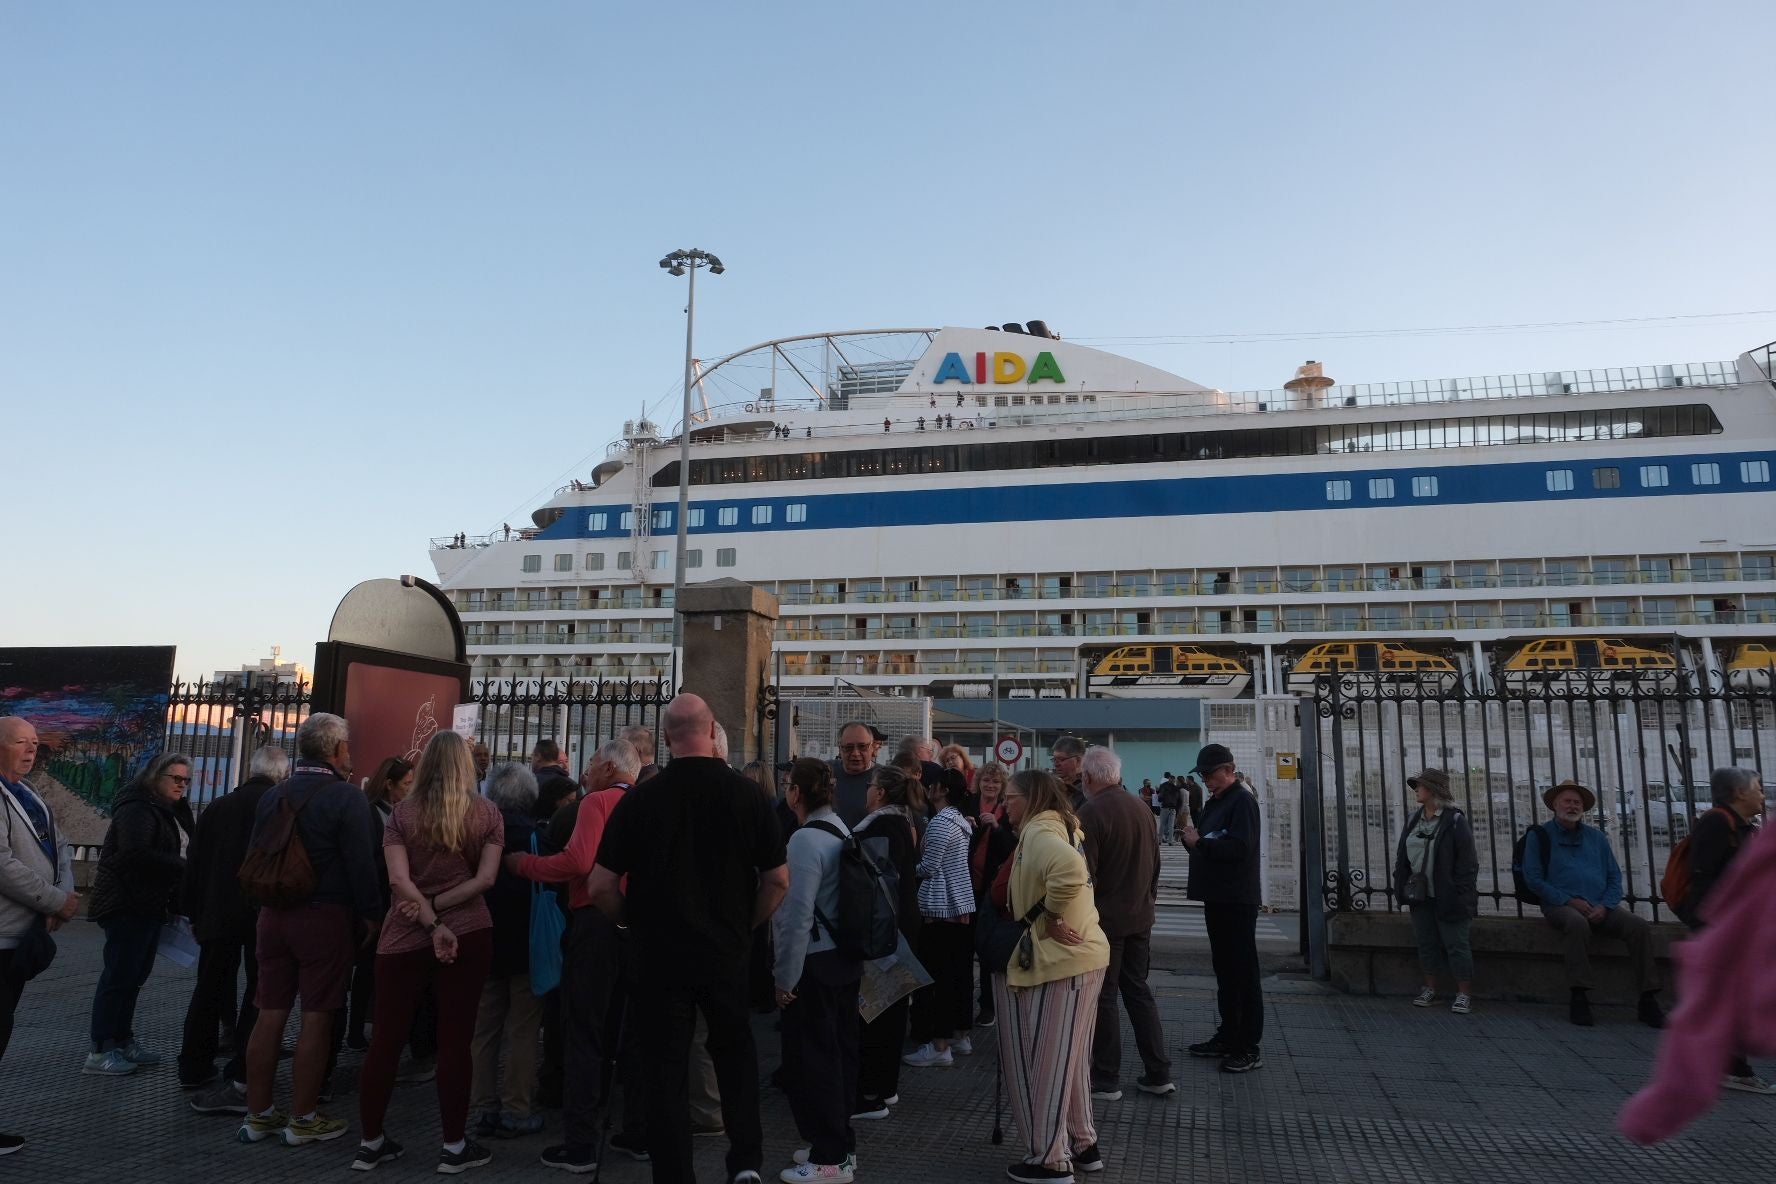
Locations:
(1045, 1039)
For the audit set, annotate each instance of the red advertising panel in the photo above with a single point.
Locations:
(393, 702)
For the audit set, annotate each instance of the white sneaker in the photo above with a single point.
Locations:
(1425, 998)
(819, 1173)
(963, 1047)
(926, 1056)
(1462, 1005)
(802, 1153)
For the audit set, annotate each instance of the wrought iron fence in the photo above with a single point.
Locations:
(219, 725)
(1642, 729)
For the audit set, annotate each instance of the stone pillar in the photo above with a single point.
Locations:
(728, 629)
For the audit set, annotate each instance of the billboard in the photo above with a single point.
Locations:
(392, 701)
(100, 711)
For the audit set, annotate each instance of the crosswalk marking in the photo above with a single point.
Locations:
(1188, 922)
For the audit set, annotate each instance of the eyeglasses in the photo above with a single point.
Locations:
(181, 782)
(864, 747)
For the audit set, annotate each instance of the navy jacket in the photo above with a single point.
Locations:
(335, 826)
(1224, 863)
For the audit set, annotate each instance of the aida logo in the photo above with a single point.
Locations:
(1004, 368)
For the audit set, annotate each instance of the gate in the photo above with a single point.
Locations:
(1641, 728)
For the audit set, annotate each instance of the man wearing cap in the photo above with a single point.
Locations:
(1224, 842)
(1580, 883)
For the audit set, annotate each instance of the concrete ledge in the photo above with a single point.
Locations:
(1514, 958)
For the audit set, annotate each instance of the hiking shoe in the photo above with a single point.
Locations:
(1579, 1011)
(1424, 998)
(414, 1070)
(634, 1146)
(1035, 1173)
(802, 1154)
(316, 1129)
(227, 1098)
(487, 1125)
(870, 1109)
(570, 1157)
(1158, 1085)
(819, 1173)
(512, 1127)
(137, 1055)
(368, 1159)
(1212, 1047)
(1649, 1012)
(1749, 1083)
(108, 1064)
(1242, 1062)
(1088, 1159)
(262, 1126)
(1106, 1093)
(927, 1056)
(473, 1155)
(963, 1047)
(1462, 1005)
(11, 1143)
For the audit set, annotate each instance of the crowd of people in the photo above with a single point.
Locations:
(528, 940)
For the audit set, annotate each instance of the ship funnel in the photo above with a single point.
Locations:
(1012, 327)
(1310, 379)
(1041, 329)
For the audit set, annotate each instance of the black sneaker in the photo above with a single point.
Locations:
(11, 1143)
(1242, 1062)
(1089, 1159)
(570, 1157)
(1579, 1010)
(1035, 1173)
(634, 1146)
(1649, 1011)
(487, 1126)
(368, 1159)
(1212, 1047)
(473, 1155)
(986, 1018)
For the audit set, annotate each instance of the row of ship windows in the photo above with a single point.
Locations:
(1751, 472)
(599, 520)
(661, 560)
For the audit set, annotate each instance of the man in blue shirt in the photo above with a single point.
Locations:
(1580, 883)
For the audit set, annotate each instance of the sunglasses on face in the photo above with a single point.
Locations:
(181, 782)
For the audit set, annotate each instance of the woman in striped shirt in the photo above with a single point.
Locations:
(943, 1013)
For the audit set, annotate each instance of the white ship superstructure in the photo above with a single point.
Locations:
(941, 511)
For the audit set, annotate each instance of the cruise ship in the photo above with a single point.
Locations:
(969, 513)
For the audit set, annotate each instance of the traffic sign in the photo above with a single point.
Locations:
(1008, 750)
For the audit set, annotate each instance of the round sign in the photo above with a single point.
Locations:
(1008, 750)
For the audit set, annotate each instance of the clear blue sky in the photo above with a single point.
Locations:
(287, 289)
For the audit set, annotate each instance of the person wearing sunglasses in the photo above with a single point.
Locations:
(135, 892)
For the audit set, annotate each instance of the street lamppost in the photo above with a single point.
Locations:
(681, 263)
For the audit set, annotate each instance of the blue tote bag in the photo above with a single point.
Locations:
(546, 927)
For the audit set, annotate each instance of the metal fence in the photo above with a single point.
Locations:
(1645, 740)
(221, 724)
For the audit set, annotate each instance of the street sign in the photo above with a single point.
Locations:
(1287, 768)
(1008, 750)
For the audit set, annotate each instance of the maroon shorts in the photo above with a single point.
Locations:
(304, 951)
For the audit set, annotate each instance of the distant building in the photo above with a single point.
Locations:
(267, 672)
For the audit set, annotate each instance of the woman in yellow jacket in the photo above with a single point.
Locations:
(1047, 1009)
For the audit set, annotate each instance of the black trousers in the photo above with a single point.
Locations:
(590, 969)
(1126, 977)
(820, 1053)
(1233, 949)
(10, 990)
(945, 1009)
(667, 1006)
(878, 1064)
(213, 1003)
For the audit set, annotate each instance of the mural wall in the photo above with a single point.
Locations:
(100, 711)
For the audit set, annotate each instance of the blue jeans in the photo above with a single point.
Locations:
(129, 957)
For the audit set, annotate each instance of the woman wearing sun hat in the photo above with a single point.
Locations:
(1436, 875)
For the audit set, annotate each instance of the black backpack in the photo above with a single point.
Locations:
(1520, 886)
(866, 926)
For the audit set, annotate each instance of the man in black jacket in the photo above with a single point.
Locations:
(554, 787)
(222, 919)
(1224, 875)
(1719, 834)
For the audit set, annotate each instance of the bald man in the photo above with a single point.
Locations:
(704, 861)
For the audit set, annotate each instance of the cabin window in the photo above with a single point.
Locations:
(1338, 491)
(1423, 486)
(1654, 476)
(532, 563)
(1754, 472)
(1381, 488)
(1559, 480)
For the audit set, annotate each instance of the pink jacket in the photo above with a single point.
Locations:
(1727, 999)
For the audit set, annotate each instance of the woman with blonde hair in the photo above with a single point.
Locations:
(443, 845)
(1048, 996)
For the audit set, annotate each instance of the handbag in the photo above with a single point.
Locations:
(35, 951)
(1418, 885)
(995, 939)
(547, 924)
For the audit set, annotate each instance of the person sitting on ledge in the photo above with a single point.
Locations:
(1580, 883)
